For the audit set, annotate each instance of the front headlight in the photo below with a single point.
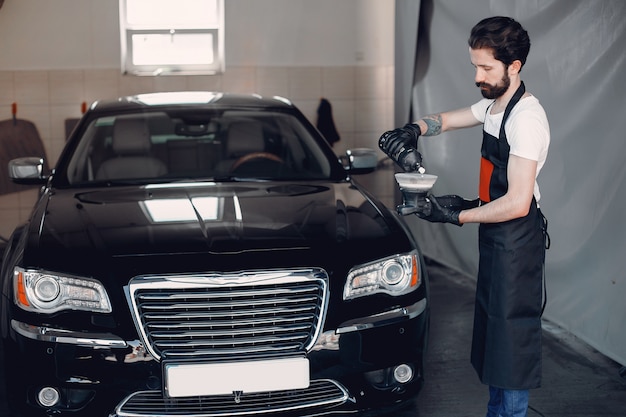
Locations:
(47, 292)
(395, 275)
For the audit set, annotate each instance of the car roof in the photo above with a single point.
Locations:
(190, 98)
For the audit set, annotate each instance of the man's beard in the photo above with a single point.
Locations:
(494, 91)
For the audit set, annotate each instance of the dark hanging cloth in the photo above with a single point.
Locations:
(18, 138)
(325, 123)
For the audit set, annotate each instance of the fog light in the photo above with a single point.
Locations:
(403, 373)
(48, 396)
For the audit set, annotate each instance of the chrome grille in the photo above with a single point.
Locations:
(321, 393)
(216, 316)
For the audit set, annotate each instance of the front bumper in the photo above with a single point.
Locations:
(361, 364)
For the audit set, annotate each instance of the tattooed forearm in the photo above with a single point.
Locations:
(433, 121)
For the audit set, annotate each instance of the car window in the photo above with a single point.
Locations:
(215, 145)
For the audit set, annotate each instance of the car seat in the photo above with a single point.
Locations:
(132, 147)
(243, 138)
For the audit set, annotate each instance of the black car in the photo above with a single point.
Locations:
(207, 254)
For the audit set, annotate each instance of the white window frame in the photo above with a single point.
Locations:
(214, 30)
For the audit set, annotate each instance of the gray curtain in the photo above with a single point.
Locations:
(575, 68)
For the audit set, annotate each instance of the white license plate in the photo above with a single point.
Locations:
(186, 380)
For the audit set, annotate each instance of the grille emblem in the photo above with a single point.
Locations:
(237, 395)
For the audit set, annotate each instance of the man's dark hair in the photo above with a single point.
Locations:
(505, 36)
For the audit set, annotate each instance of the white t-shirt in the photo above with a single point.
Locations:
(527, 130)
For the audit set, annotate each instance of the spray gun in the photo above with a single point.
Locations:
(401, 146)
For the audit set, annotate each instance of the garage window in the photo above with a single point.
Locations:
(172, 37)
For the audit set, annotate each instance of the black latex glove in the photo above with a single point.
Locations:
(455, 202)
(401, 145)
(414, 129)
(434, 212)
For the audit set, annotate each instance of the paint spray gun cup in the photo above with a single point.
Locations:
(414, 187)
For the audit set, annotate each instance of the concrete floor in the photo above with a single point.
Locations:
(577, 380)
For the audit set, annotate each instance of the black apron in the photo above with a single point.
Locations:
(506, 344)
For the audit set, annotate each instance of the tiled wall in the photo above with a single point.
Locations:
(362, 100)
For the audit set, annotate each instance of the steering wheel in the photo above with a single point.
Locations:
(255, 155)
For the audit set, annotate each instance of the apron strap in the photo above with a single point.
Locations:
(514, 100)
(488, 168)
(546, 242)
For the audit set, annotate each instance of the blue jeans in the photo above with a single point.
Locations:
(507, 403)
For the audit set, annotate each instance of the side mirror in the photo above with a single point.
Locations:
(361, 160)
(27, 170)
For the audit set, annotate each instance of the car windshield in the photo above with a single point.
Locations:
(197, 145)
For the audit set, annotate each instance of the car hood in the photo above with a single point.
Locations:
(215, 218)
